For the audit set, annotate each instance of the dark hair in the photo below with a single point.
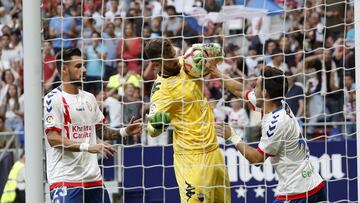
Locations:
(5, 35)
(2, 117)
(4, 73)
(270, 41)
(65, 56)
(97, 33)
(8, 97)
(170, 7)
(276, 52)
(274, 82)
(158, 48)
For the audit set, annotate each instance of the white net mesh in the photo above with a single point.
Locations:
(312, 41)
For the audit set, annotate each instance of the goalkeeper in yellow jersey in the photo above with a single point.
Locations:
(177, 98)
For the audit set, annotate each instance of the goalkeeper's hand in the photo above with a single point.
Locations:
(213, 51)
(228, 133)
(159, 121)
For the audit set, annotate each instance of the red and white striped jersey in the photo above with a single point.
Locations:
(283, 142)
(75, 118)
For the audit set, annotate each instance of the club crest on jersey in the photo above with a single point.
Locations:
(50, 121)
(89, 106)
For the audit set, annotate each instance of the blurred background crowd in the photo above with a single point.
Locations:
(311, 41)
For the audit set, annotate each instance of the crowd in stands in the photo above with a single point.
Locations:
(11, 70)
(312, 42)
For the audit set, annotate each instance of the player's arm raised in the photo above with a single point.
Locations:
(235, 87)
(250, 153)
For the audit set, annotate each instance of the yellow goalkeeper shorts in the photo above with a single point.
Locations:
(202, 177)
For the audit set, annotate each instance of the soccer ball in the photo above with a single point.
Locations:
(194, 63)
(194, 58)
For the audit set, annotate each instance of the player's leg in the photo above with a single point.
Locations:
(98, 194)
(194, 182)
(222, 182)
(67, 195)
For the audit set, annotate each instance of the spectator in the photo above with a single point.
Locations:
(270, 46)
(260, 30)
(62, 30)
(238, 118)
(3, 129)
(252, 62)
(6, 30)
(295, 96)
(9, 54)
(96, 53)
(50, 71)
(156, 8)
(277, 60)
(16, 45)
(350, 106)
(5, 18)
(114, 11)
(219, 113)
(9, 77)
(131, 107)
(334, 101)
(123, 76)
(284, 44)
(14, 190)
(98, 17)
(113, 106)
(135, 16)
(118, 27)
(173, 22)
(87, 31)
(110, 42)
(129, 49)
(156, 27)
(12, 108)
(319, 30)
(212, 6)
(146, 33)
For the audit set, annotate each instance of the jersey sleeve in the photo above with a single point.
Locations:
(271, 140)
(251, 98)
(53, 114)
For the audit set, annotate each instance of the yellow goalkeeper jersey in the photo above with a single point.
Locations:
(191, 116)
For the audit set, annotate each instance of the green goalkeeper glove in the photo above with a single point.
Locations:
(160, 121)
(212, 49)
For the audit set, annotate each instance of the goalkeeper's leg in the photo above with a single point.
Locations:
(202, 178)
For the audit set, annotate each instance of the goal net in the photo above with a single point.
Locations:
(311, 41)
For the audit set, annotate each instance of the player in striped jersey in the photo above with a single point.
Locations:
(281, 139)
(72, 121)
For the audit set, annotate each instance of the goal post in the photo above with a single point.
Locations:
(357, 83)
(33, 102)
